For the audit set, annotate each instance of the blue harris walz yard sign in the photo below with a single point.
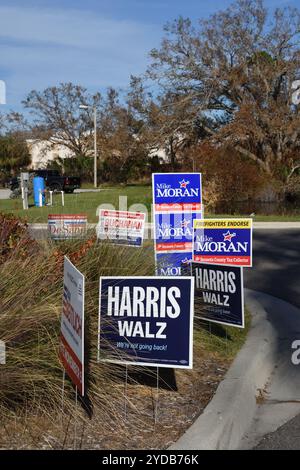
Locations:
(176, 192)
(219, 293)
(146, 321)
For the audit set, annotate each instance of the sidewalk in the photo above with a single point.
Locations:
(260, 391)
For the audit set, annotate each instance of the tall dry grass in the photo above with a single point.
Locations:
(31, 280)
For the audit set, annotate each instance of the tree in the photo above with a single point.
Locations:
(164, 122)
(123, 149)
(14, 154)
(58, 118)
(233, 72)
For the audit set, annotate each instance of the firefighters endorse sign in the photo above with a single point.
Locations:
(147, 321)
(219, 293)
(223, 241)
(72, 325)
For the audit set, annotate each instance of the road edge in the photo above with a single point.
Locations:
(230, 413)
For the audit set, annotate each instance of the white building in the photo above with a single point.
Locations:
(44, 151)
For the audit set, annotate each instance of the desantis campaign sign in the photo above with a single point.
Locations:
(176, 192)
(146, 321)
(121, 227)
(223, 241)
(219, 293)
(67, 226)
(72, 325)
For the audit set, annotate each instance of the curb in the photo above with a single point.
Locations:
(229, 415)
(149, 225)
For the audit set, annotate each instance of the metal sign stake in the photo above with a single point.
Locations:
(125, 391)
(75, 427)
(62, 396)
(157, 396)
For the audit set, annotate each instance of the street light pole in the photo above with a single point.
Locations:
(95, 147)
(85, 106)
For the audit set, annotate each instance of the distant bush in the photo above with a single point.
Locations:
(227, 176)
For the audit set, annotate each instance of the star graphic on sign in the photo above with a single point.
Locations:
(228, 236)
(185, 223)
(183, 183)
(185, 261)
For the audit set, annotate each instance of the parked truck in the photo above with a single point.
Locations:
(54, 181)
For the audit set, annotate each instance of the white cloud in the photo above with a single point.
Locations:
(68, 27)
(39, 48)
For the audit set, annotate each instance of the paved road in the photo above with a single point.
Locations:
(4, 193)
(276, 269)
(277, 272)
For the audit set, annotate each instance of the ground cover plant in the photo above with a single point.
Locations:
(31, 407)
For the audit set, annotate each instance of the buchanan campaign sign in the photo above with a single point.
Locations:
(67, 226)
(219, 293)
(176, 192)
(121, 227)
(72, 325)
(146, 321)
(223, 241)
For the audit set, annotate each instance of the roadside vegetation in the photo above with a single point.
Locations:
(31, 380)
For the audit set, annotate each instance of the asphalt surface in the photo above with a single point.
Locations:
(4, 193)
(276, 271)
(276, 265)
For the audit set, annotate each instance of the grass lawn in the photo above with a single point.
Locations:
(80, 203)
(89, 202)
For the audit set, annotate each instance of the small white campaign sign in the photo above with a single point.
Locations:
(72, 325)
(121, 227)
(67, 226)
(147, 321)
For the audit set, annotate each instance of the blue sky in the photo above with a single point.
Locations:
(96, 43)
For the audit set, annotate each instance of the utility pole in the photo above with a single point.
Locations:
(95, 147)
(85, 106)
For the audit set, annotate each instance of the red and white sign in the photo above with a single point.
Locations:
(121, 227)
(67, 226)
(72, 325)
